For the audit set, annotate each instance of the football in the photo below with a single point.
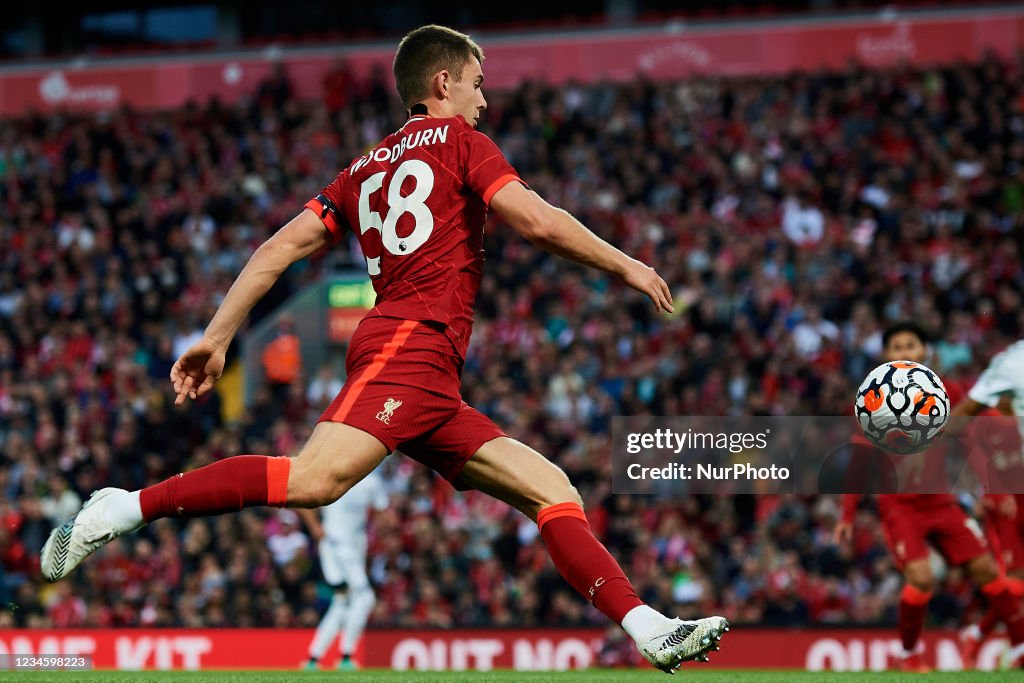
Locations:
(902, 406)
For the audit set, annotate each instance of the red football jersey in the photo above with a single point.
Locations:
(417, 203)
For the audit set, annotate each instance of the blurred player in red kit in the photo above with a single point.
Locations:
(998, 397)
(914, 521)
(417, 203)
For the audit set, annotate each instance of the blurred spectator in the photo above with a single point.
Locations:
(282, 360)
(339, 86)
(61, 501)
(802, 222)
(275, 90)
(287, 541)
(324, 387)
(5, 591)
(811, 333)
(65, 609)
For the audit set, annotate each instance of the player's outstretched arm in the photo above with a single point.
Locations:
(958, 425)
(200, 367)
(967, 408)
(557, 231)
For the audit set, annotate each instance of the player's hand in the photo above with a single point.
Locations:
(843, 533)
(197, 371)
(645, 279)
(1008, 507)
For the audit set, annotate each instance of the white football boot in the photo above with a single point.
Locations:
(80, 536)
(683, 642)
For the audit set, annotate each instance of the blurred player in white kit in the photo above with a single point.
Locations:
(341, 531)
(999, 389)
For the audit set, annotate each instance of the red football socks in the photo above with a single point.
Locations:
(225, 486)
(584, 562)
(913, 610)
(1007, 607)
(991, 618)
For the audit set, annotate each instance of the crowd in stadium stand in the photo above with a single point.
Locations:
(793, 218)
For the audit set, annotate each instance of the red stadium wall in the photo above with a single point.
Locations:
(521, 649)
(746, 48)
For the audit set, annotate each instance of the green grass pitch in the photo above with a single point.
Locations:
(592, 676)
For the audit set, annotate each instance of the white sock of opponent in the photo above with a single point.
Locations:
(330, 624)
(359, 610)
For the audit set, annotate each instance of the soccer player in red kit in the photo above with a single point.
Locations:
(417, 203)
(998, 396)
(914, 521)
(998, 441)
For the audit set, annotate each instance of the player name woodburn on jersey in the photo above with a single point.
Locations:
(420, 138)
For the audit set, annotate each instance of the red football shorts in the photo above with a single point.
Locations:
(910, 528)
(403, 387)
